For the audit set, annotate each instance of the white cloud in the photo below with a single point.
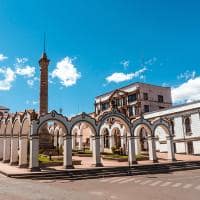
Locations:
(31, 82)
(26, 71)
(165, 85)
(2, 57)
(142, 77)
(21, 60)
(35, 102)
(150, 61)
(9, 77)
(125, 63)
(187, 75)
(187, 91)
(118, 77)
(67, 72)
(31, 102)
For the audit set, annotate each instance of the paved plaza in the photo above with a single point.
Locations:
(177, 185)
(87, 163)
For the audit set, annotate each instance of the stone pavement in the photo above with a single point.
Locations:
(162, 158)
(87, 163)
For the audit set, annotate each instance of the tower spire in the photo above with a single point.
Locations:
(44, 63)
(44, 48)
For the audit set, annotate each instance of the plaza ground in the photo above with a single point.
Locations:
(87, 163)
(181, 185)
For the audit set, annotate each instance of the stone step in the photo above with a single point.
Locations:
(109, 172)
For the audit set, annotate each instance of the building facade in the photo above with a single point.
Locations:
(185, 121)
(134, 99)
(152, 103)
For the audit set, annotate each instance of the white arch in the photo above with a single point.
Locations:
(7, 140)
(103, 130)
(23, 140)
(15, 140)
(2, 135)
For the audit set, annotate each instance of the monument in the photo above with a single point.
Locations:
(45, 141)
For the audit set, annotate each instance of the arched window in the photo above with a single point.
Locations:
(187, 125)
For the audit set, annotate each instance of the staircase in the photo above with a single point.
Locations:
(77, 174)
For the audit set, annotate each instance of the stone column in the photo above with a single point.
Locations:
(6, 149)
(152, 149)
(96, 152)
(67, 154)
(1, 147)
(121, 139)
(73, 142)
(80, 142)
(131, 150)
(34, 152)
(23, 151)
(125, 143)
(170, 148)
(14, 150)
(137, 145)
(102, 143)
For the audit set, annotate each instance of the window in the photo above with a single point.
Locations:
(130, 111)
(132, 98)
(118, 102)
(160, 98)
(104, 106)
(137, 111)
(145, 96)
(161, 107)
(124, 101)
(146, 108)
(187, 125)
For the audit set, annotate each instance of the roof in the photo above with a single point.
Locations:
(132, 84)
(4, 108)
(173, 109)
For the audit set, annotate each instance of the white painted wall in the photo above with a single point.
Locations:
(195, 124)
(181, 147)
(196, 146)
(178, 128)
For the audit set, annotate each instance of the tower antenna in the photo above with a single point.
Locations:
(44, 42)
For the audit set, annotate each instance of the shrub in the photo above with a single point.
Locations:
(113, 149)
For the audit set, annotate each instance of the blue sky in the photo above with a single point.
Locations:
(97, 46)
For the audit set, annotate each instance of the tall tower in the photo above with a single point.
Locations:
(44, 63)
(44, 137)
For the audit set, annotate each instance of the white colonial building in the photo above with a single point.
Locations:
(185, 121)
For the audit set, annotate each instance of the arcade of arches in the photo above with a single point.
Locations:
(24, 136)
